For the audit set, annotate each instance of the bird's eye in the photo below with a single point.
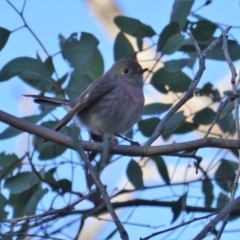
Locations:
(125, 71)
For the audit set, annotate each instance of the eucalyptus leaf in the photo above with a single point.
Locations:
(48, 150)
(162, 168)
(147, 126)
(4, 35)
(122, 48)
(173, 44)
(155, 108)
(179, 206)
(84, 74)
(203, 30)
(175, 65)
(21, 182)
(204, 116)
(216, 53)
(134, 174)
(133, 27)
(165, 81)
(227, 124)
(3, 203)
(174, 123)
(225, 175)
(180, 12)
(8, 163)
(31, 206)
(170, 30)
(222, 200)
(207, 189)
(30, 70)
(78, 52)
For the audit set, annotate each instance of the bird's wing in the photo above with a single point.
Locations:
(92, 93)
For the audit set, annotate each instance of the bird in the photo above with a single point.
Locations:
(110, 105)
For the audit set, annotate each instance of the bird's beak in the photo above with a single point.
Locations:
(142, 70)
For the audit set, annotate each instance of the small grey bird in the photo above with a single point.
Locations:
(110, 105)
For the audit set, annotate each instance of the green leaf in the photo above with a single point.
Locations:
(62, 79)
(78, 52)
(26, 202)
(139, 44)
(180, 12)
(226, 109)
(186, 127)
(3, 203)
(84, 74)
(122, 48)
(203, 30)
(225, 175)
(65, 184)
(174, 123)
(173, 44)
(134, 174)
(227, 124)
(4, 35)
(134, 27)
(48, 176)
(49, 65)
(207, 189)
(204, 116)
(147, 126)
(162, 168)
(222, 200)
(48, 150)
(165, 81)
(30, 70)
(192, 59)
(175, 65)
(209, 91)
(7, 164)
(21, 182)
(216, 53)
(170, 30)
(31, 206)
(155, 108)
(235, 152)
(179, 206)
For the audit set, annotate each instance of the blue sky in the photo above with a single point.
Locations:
(48, 19)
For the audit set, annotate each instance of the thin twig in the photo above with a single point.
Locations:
(123, 233)
(226, 210)
(178, 226)
(236, 119)
(48, 213)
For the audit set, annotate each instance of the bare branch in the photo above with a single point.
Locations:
(143, 151)
(228, 209)
(123, 233)
(236, 118)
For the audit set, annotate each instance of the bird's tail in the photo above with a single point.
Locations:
(49, 100)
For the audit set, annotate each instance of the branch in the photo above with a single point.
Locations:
(123, 233)
(236, 118)
(228, 209)
(177, 226)
(189, 94)
(125, 150)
